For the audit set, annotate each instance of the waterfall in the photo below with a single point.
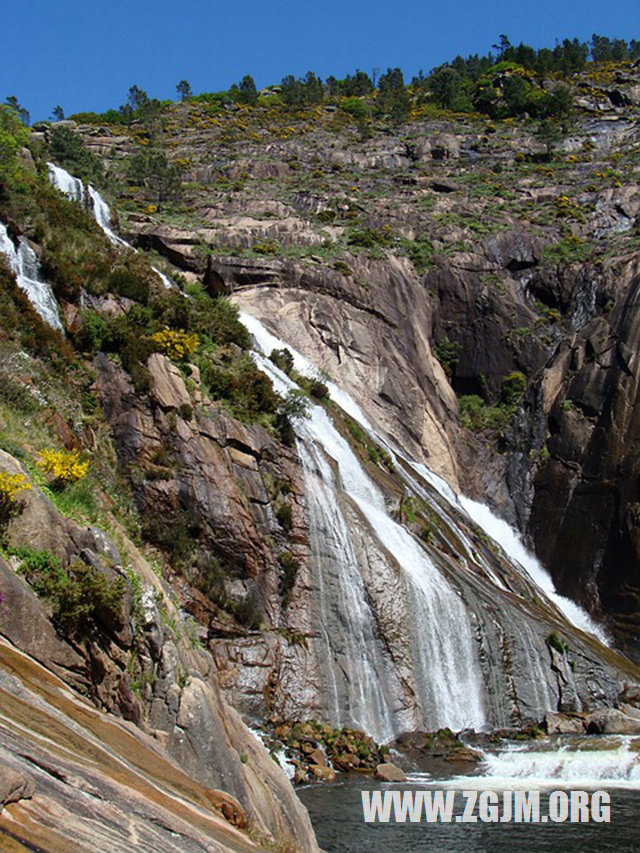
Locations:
(102, 215)
(354, 664)
(496, 528)
(512, 545)
(24, 263)
(472, 646)
(73, 188)
(444, 666)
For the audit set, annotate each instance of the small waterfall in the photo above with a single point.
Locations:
(102, 215)
(473, 642)
(24, 263)
(577, 762)
(444, 661)
(73, 188)
(512, 545)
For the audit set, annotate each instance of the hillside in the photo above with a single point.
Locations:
(192, 531)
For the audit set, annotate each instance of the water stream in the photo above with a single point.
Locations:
(24, 263)
(74, 189)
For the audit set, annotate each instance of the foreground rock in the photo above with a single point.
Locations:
(389, 773)
(170, 757)
(434, 752)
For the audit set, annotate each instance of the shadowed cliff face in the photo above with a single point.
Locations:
(584, 517)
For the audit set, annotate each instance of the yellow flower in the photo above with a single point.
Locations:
(175, 343)
(63, 465)
(11, 485)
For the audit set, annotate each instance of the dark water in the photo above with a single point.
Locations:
(336, 813)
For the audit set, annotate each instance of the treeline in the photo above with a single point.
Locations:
(503, 82)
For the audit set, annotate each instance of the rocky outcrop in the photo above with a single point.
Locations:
(374, 339)
(147, 668)
(14, 786)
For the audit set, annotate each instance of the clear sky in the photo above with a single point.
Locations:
(86, 55)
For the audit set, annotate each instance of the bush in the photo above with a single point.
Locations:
(10, 504)
(78, 595)
(13, 137)
(447, 352)
(64, 466)
(66, 149)
(245, 389)
(128, 283)
(513, 388)
(319, 390)
(283, 359)
(289, 567)
(555, 641)
(175, 343)
(295, 405)
(284, 514)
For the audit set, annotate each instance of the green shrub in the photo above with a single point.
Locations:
(126, 282)
(283, 359)
(289, 568)
(66, 149)
(11, 504)
(295, 405)
(368, 238)
(555, 641)
(447, 352)
(284, 514)
(514, 386)
(79, 595)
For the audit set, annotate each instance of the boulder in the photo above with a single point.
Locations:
(445, 147)
(317, 757)
(324, 774)
(611, 721)
(564, 724)
(389, 773)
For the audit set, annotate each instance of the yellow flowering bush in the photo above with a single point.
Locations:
(175, 343)
(10, 505)
(64, 466)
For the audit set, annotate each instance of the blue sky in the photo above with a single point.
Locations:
(86, 55)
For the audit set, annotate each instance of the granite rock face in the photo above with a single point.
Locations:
(173, 732)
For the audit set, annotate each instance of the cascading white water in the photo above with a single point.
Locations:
(512, 545)
(445, 662)
(612, 762)
(102, 215)
(355, 668)
(496, 528)
(24, 263)
(73, 188)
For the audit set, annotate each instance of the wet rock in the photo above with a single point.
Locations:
(316, 756)
(564, 724)
(324, 774)
(390, 773)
